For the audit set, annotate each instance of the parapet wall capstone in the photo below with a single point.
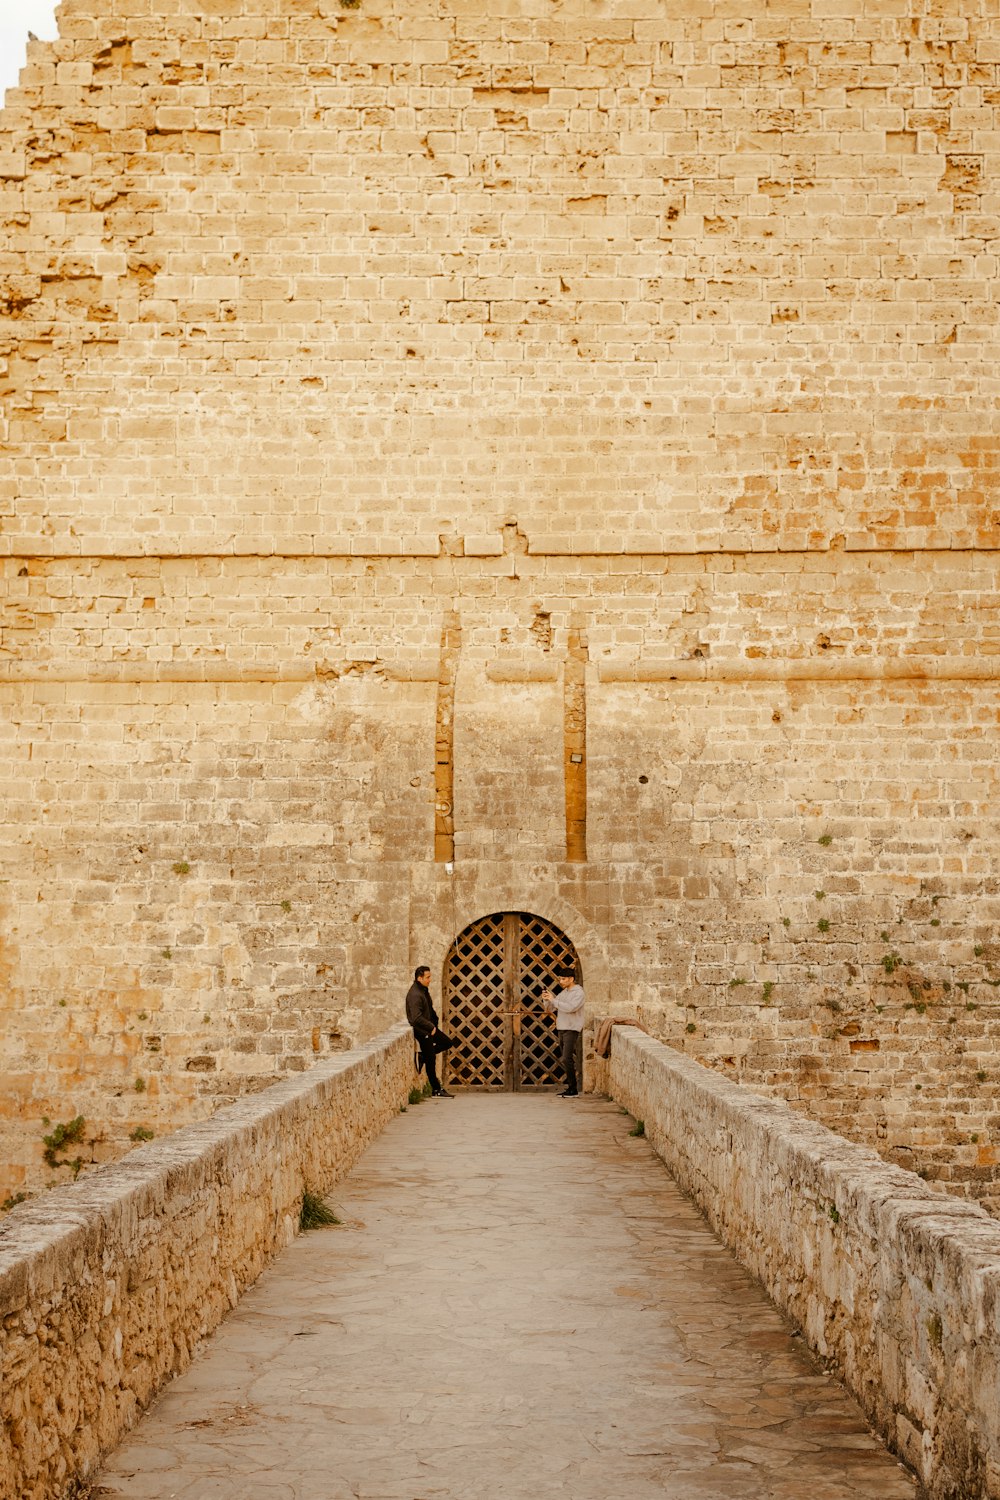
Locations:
(108, 1287)
(894, 1285)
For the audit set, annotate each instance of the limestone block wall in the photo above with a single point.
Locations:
(192, 898)
(633, 279)
(556, 442)
(108, 1287)
(894, 1285)
(220, 856)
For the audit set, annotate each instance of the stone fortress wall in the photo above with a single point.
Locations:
(401, 400)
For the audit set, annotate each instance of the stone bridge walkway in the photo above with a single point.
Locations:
(518, 1303)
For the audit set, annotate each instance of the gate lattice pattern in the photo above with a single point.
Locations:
(473, 1008)
(494, 980)
(543, 949)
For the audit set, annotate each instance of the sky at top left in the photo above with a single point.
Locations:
(17, 18)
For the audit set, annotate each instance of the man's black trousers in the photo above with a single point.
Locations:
(430, 1047)
(571, 1057)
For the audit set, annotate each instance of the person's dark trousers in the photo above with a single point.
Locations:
(428, 1055)
(571, 1057)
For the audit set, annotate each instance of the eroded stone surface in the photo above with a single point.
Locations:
(518, 1303)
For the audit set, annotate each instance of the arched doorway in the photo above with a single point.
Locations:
(495, 975)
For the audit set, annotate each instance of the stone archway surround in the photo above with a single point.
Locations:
(443, 905)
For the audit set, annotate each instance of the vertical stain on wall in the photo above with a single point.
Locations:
(575, 744)
(444, 740)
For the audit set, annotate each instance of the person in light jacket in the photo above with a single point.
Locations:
(567, 1001)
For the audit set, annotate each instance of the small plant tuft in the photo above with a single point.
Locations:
(826, 839)
(884, 936)
(891, 962)
(786, 921)
(823, 924)
(820, 895)
(734, 982)
(140, 1085)
(639, 1128)
(981, 1076)
(691, 1028)
(166, 953)
(415, 1096)
(350, 4)
(767, 992)
(935, 1330)
(834, 1214)
(286, 906)
(314, 1213)
(12, 1202)
(67, 1133)
(182, 867)
(141, 1133)
(979, 950)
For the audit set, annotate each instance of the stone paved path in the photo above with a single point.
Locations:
(518, 1304)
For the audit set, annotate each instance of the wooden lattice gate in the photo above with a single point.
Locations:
(495, 976)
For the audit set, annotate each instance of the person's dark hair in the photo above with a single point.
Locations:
(565, 973)
(421, 969)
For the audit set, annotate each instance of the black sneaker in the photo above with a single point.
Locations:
(569, 1093)
(442, 1094)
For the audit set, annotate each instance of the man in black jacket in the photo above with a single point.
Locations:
(422, 1017)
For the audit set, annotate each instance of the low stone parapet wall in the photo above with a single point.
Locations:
(895, 1285)
(108, 1286)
